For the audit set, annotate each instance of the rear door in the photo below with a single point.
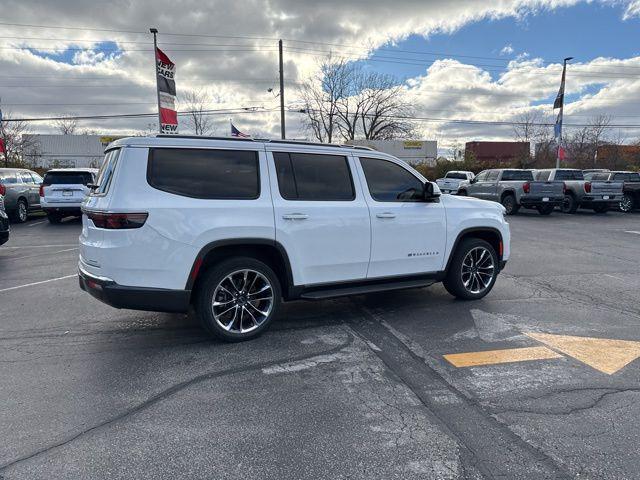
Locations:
(321, 216)
(31, 189)
(408, 235)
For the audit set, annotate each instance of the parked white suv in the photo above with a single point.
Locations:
(63, 190)
(235, 226)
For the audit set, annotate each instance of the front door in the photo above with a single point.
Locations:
(321, 216)
(408, 235)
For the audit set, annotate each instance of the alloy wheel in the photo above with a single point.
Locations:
(626, 204)
(478, 270)
(22, 211)
(242, 301)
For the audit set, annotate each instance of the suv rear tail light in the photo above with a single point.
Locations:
(42, 185)
(587, 187)
(117, 221)
(3, 189)
(526, 186)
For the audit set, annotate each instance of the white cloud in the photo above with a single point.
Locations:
(506, 50)
(125, 84)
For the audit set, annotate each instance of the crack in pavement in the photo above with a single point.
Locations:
(168, 392)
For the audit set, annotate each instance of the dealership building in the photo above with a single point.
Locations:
(64, 151)
(411, 151)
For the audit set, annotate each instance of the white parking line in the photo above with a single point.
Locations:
(38, 283)
(44, 246)
(632, 231)
(40, 254)
(37, 223)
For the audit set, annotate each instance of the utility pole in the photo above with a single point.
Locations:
(155, 73)
(282, 131)
(3, 138)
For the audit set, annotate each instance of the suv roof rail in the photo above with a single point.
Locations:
(266, 140)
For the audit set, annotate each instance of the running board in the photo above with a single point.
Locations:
(345, 291)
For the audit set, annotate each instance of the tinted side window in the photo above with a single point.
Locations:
(106, 172)
(481, 177)
(57, 178)
(307, 176)
(569, 175)
(8, 178)
(389, 182)
(517, 175)
(629, 177)
(492, 176)
(26, 177)
(202, 173)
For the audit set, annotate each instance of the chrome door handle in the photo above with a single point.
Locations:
(386, 215)
(295, 216)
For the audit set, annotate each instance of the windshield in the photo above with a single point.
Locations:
(57, 178)
(517, 175)
(106, 172)
(569, 175)
(457, 175)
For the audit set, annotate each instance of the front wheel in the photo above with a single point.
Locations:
(626, 204)
(569, 204)
(473, 270)
(238, 299)
(462, 193)
(510, 204)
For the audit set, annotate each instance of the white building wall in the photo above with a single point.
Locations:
(411, 151)
(50, 151)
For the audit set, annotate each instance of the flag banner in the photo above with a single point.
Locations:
(237, 133)
(165, 71)
(560, 98)
(557, 128)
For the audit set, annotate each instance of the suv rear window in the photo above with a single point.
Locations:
(205, 173)
(57, 178)
(508, 175)
(308, 176)
(569, 175)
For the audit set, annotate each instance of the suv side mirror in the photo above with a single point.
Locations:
(430, 192)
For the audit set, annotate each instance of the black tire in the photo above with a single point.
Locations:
(601, 208)
(53, 218)
(21, 213)
(218, 275)
(510, 204)
(627, 203)
(454, 282)
(545, 209)
(570, 204)
(462, 193)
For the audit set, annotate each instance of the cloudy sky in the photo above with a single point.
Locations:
(458, 60)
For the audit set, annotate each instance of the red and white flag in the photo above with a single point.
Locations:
(166, 70)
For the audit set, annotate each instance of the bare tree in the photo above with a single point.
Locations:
(583, 143)
(348, 101)
(195, 104)
(18, 145)
(528, 127)
(66, 125)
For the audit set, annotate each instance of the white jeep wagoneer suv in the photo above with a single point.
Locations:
(235, 226)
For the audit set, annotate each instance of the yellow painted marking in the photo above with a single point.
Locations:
(603, 354)
(491, 357)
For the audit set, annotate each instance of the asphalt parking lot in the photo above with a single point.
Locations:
(381, 386)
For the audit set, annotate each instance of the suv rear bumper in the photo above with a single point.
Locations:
(66, 210)
(531, 202)
(134, 298)
(612, 201)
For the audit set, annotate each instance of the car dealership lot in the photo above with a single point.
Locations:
(349, 388)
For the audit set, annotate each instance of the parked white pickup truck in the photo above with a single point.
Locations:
(452, 180)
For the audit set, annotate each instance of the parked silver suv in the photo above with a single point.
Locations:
(21, 190)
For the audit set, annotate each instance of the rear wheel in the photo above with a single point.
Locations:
(545, 209)
(238, 299)
(569, 204)
(20, 215)
(600, 208)
(462, 193)
(473, 270)
(626, 204)
(510, 204)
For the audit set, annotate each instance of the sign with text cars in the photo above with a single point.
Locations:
(165, 71)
